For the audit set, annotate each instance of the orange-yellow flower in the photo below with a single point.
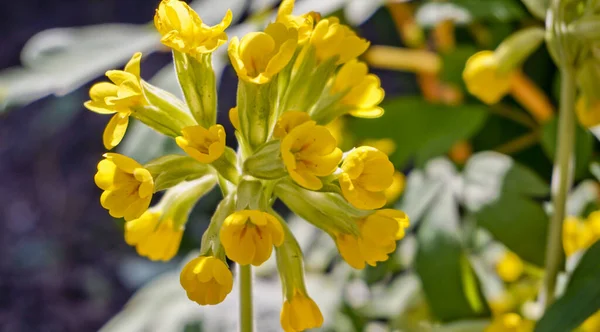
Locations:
(154, 237)
(484, 80)
(332, 39)
(362, 91)
(206, 280)
(288, 121)
(300, 313)
(204, 145)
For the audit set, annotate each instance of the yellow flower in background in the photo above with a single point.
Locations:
(367, 173)
(300, 313)
(483, 79)
(128, 187)
(204, 145)
(288, 121)
(576, 235)
(152, 237)
(118, 98)
(395, 190)
(363, 91)
(331, 39)
(259, 56)
(248, 236)
(378, 235)
(234, 118)
(592, 324)
(593, 224)
(308, 152)
(588, 115)
(385, 145)
(206, 280)
(510, 322)
(303, 23)
(182, 29)
(510, 267)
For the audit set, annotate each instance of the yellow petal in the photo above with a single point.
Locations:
(115, 130)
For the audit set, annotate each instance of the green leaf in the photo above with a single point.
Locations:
(422, 130)
(454, 63)
(451, 288)
(493, 10)
(584, 146)
(502, 195)
(581, 298)
(537, 8)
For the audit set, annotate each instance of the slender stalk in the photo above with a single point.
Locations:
(246, 316)
(562, 181)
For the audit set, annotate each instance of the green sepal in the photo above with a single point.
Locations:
(211, 244)
(265, 162)
(250, 195)
(181, 199)
(170, 170)
(255, 103)
(515, 49)
(226, 165)
(177, 111)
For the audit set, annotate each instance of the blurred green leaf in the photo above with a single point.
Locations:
(537, 8)
(422, 130)
(584, 146)
(502, 195)
(454, 63)
(499, 10)
(580, 300)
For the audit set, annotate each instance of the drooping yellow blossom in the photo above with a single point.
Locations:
(206, 280)
(483, 79)
(204, 145)
(288, 121)
(587, 114)
(378, 235)
(303, 23)
(330, 39)
(510, 322)
(510, 267)
(367, 173)
(310, 151)
(182, 29)
(300, 313)
(362, 90)
(592, 324)
(234, 118)
(128, 187)
(152, 237)
(575, 235)
(118, 98)
(259, 56)
(393, 192)
(248, 236)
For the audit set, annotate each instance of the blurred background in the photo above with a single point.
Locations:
(475, 179)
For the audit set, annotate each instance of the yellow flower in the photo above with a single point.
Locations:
(393, 192)
(509, 267)
(367, 173)
(310, 151)
(300, 313)
(152, 237)
(592, 324)
(483, 79)
(248, 236)
(206, 280)
(588, 115)
(331, 39)
(575, 235)
(362, 90)
(378, 235)
(128, 187)
(303, 23)
(259, 56)
(288, 121)
(204, 145)
(234, 118)
(593, 224)
(118, 98)
(510, 322)
(182, 29)
(385, 145)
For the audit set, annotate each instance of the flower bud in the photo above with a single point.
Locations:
(509, 267)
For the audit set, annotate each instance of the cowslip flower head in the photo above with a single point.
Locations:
(206, 280)
(204, 145)
(300, 313)
(588, 113)
(367, 173)
(510, 322)
(510, 267)
(304, 23)
(288, 121)
(378, 234)
(259, 56)
(128, 187)
(363, 91)
(330, 39)
(118, 98)
(183, 30)
(576, 236)
(483, 79)
(152, 237)
(248, 236)
(308, 152)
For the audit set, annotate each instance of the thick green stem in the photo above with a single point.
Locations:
(562, 181)
(246, 316)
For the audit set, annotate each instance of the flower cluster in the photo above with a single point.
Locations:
(295, 77)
